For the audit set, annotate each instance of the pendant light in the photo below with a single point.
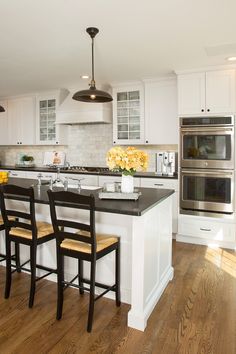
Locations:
(92, 94)
(2, 109)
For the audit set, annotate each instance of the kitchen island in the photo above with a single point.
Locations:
(144, 227)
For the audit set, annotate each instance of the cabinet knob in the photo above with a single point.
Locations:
(114, 142)
(208, 110)
(202, 110)
(57, 142)
(20, 142)
(146, 141)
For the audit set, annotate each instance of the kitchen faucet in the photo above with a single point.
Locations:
(58, 179)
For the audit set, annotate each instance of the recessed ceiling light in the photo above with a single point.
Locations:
(84, 76)
(231, 58)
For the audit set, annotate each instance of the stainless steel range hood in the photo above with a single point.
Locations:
(74, 112)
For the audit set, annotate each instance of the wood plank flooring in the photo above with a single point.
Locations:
(196, 314)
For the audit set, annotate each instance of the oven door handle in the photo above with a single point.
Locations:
(217, 130)
(220, 173)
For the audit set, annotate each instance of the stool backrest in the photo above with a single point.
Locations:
(13, 217)
(78, 201)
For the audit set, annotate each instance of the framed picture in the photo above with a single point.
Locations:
(54, 158)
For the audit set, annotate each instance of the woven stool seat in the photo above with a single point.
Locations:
(103, 241)
(43, 229)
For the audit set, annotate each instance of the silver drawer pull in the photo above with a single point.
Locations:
(158, 184)
(203, 229)
(14, 174)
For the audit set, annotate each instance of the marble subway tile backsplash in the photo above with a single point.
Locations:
(87, 146)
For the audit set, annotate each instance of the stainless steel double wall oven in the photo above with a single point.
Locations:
(207, 165)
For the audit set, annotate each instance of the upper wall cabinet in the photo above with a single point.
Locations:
(206, 93)
(21, 121)
(4, 139)
(161, 124)
(128, 115)
(47, 131)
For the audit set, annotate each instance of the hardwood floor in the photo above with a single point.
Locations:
(196, 314)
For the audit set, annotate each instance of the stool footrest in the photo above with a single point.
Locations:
(99, 285)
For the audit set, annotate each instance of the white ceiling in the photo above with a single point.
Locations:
(44, 45)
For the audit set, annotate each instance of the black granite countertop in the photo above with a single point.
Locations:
(148, 199)
(103, 173)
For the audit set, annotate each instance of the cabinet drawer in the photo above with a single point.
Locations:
(87, 180)
(13, 173)
(217, 231)
(159, 183)
(44, 175)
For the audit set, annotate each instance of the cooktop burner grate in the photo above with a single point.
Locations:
(85, 169)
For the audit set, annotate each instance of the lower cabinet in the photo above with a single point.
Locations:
(166, 183)
(205, 230)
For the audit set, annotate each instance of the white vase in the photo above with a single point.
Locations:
(127, 184)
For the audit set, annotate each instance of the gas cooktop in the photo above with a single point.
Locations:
(85, 169)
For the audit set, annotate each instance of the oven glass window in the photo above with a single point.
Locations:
(201, 121)
(207, 147)
(207, 189)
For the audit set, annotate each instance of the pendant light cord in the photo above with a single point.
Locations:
(92, 81)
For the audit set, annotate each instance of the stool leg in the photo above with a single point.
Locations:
(91, 298)
(81, 274)
(17, 254)
(33, 249)
(118, 275)
(8, 268)
(60, 286)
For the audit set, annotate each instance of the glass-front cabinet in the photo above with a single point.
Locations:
(48, 132)
(47, 120)
(128, 115)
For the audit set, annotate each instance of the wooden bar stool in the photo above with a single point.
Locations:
(22, 228)
(84, 245)
(16, 256)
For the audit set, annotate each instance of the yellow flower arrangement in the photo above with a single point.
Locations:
(127, 161)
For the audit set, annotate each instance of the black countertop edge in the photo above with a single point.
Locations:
(148, 199)
(109, 173)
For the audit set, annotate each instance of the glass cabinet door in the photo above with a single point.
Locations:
(128, 115)
(128, 119)
(47, 120)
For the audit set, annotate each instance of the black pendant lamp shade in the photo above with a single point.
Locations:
(2, 109)
(92, 94)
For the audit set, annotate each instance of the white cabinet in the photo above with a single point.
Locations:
(161, 124)
(128, 115)
(21, 121)
(4, 139)
(166, 184)
(47, 131)
(205, 93)
(203, 230)
(111, 179)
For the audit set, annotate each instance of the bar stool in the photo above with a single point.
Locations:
(22, 228)
(16, 256)
(84, 245)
